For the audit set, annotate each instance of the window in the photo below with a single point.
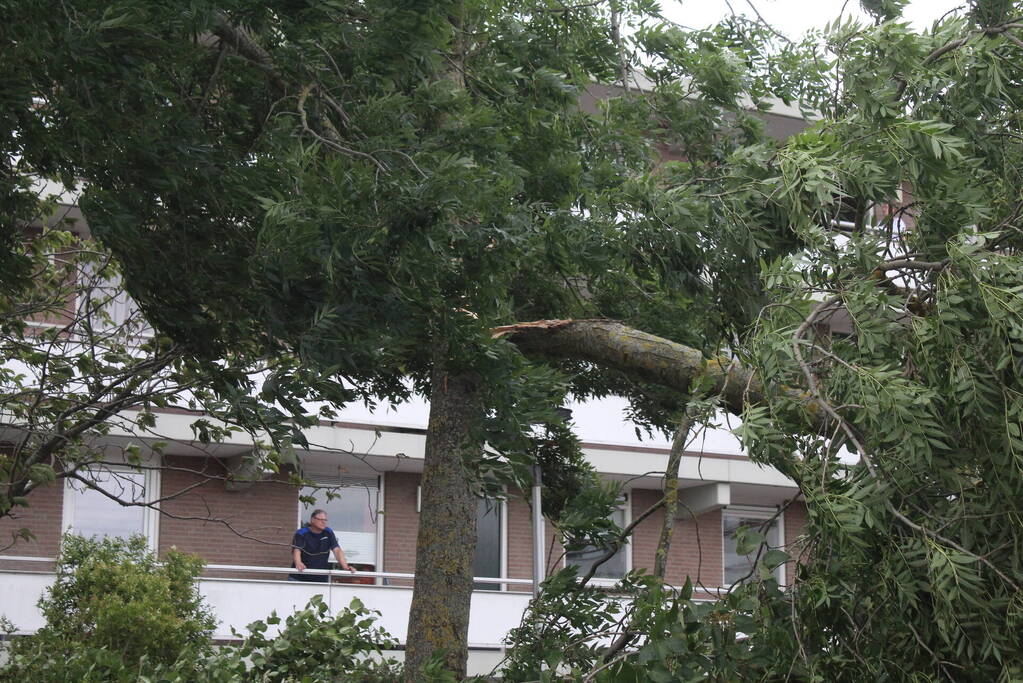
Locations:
(352, 504)
(848, 212)
(617, 566)
(488, 559)
(89, 512)
(104, 301)
(762, 520)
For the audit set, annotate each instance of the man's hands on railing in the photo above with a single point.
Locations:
(300, 566)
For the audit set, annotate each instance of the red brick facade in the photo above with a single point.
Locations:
(401, 523)
(696, 549)
(253, 526)
(795, 523)
(43, 517)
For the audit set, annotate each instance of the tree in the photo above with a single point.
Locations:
(374, 186)
(912, 553)
(81, 367)
(368, 186)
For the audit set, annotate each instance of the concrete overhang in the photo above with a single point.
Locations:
(648, 465)
(697, 500)
(378, 448)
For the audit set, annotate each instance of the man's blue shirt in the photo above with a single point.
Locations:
(315, 548)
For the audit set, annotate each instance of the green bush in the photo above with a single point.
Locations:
(312, 647)
(113, 612)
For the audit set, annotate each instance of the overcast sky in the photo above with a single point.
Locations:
(794, 17)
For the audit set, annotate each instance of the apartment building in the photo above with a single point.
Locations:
(372, 462)
(202, 499)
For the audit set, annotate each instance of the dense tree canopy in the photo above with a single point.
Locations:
(372, 186)
(905, 195)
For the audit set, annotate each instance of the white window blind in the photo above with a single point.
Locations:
(352, 503)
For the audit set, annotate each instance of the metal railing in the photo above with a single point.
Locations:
(338, 573)
(378, 577)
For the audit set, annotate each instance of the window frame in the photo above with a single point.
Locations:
(502, 545)
(379, 523)
(754, 512)
(151, 482)
(626, 508)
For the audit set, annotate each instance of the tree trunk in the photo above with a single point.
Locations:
(670, 503)
(678, 448)
(439, 617)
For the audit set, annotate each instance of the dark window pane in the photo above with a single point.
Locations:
(614, 568)
(487, 561)
(739, 567)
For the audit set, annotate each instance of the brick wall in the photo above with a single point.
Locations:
(695, 547)
(266, 514)
(257, 522)
(795, 525)
(401, 524)
(42, 516)
(520, 541)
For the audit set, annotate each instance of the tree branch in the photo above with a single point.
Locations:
(619, 540)
(239, 39)
(648, 358)
(641, 356)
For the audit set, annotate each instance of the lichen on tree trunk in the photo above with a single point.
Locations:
(670, 502)
(678, 448)
(439, 616)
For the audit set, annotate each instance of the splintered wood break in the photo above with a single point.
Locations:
(498, 332)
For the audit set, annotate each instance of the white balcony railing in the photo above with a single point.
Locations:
(252, 593)
(244, 594)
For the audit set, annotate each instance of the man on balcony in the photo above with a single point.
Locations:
(311, 547)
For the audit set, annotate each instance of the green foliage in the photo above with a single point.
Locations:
(564, 470)
(115, 614)
(70, 337)
(112, 612)
(561, 630)
(368, 182)
(570, 630)
(311, 646)
(911, 567)
(400, 196)
(884, 10)
(573, 496)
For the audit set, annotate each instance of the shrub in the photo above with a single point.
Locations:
(115, 614)
(112, 612)
(311, 647)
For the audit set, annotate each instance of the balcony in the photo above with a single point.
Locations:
(239, 595)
